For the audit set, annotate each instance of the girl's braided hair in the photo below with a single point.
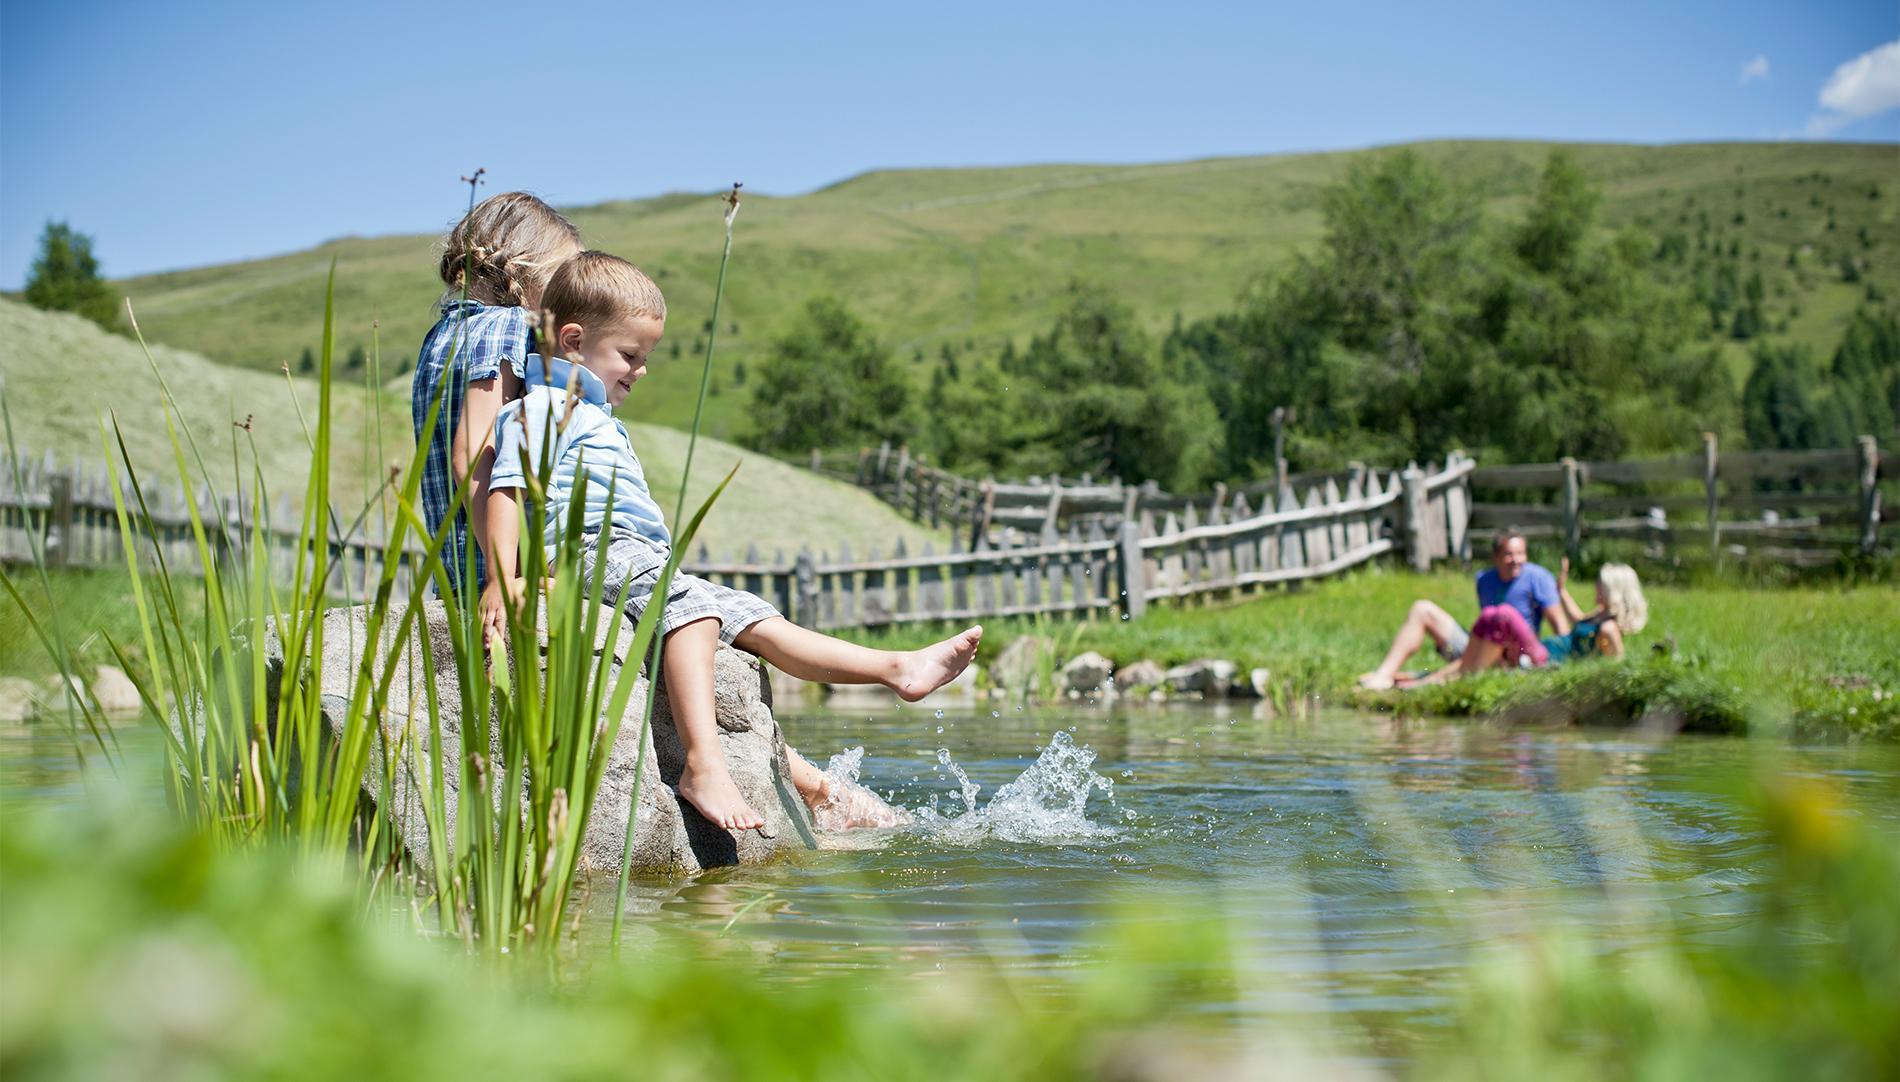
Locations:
(505, 250)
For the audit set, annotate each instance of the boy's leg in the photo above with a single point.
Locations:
(812, 655)
(687, 663)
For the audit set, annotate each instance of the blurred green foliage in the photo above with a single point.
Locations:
(65, 277)
(134, 949)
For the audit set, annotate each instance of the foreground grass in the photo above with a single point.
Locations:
(134, 948)
(1721, 656)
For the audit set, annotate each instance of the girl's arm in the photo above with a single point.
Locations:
(1571, 609)
(1609, 640)
(473, 452)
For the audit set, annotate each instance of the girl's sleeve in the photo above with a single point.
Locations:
(498, 336)
(517, 341)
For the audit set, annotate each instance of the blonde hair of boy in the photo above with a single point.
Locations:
(505, 250)
(597, 289)
(1623, 596)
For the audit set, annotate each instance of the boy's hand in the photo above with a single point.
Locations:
(497, 601)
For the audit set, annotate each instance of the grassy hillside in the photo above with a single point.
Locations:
(62, 373)
(930, 257)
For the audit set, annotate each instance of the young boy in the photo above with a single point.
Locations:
(607, 317)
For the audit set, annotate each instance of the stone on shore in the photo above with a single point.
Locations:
(1211, 677)
(1015, 668)
(669, 835)
(1146, 673)
(1087, 673)
(114, 691)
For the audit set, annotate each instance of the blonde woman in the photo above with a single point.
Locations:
(1501, 636)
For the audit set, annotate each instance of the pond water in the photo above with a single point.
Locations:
(1356, 861)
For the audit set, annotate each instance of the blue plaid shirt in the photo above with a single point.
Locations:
(469, 342)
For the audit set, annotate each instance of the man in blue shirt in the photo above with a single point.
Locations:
(1512, 580)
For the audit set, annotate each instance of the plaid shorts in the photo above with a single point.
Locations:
(633, 569)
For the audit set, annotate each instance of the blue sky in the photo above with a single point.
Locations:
(186, 134)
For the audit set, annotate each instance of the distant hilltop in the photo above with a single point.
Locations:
(973, 257)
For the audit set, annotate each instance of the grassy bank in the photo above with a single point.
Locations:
(1815, 660)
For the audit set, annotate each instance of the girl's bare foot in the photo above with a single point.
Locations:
(709, 787)
(1375, 681)
(845, 806)
(924, 671)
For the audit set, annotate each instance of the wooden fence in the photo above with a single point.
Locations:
(1798, 507)
(68, 510)
(987, 508)
(1085, 569)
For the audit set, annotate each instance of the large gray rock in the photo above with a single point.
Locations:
(669, 834)
(1016, 667)
(1145, 673)
(1087, 673)
(114, 691)
(1210, 677)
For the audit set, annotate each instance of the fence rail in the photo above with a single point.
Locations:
(1801, 507)
(988, 508)
(1085, 569)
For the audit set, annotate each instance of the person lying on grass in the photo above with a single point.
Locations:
(1512, 580)
(607, 317)
(1503, 639)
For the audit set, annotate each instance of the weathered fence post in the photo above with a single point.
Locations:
(1414, 517)
(864, 466)
(883, 461)
(903, 476)
(1869, 493)
(805, 575)
(1708, 482)
(984, 508)
(1133, 585)
(59, 518)
(1279, 448)
(817, 460)
(1573, 508)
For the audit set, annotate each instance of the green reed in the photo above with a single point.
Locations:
(255, 758)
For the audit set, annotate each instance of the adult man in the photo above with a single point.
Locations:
(1512, 580)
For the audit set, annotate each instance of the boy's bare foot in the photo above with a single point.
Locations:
(924, 671)
(711, 790)
(1375, 681)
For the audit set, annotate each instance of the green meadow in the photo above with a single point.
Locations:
(978, 257)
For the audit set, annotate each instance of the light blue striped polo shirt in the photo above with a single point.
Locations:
(589, 439)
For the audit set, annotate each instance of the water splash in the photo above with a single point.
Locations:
(1047, 803)
(851, 804)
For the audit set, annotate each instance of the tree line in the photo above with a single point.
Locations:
(1419, 325)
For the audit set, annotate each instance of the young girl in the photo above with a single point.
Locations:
(1501, 636)
(495, 263)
